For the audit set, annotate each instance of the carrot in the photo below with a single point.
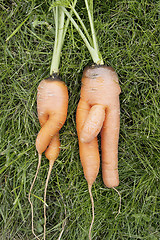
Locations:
(89, 153)
(52, 105)
(98, 111)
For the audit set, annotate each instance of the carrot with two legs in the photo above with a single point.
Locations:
(52, 105)
(98, 111)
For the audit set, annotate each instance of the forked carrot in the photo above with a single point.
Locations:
(52, 105)
(98, 111)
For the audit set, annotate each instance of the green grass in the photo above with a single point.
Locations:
(129, 41)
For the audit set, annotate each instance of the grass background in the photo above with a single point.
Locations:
(129, 41)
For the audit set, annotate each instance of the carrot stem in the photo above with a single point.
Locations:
(45, 193)
(29, 196)
(95, 54)
(92, 201)
(90, 16)
(59, 22)
(67, 21)
(82, 24)
(61, 28)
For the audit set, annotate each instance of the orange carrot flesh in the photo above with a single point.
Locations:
(93, 123)
(99, 111)
(52, 105)
(89, 153)
(53, 149)
(109, 146)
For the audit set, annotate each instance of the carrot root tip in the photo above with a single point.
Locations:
(45, 193)
(29, 196)
(92, 202)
